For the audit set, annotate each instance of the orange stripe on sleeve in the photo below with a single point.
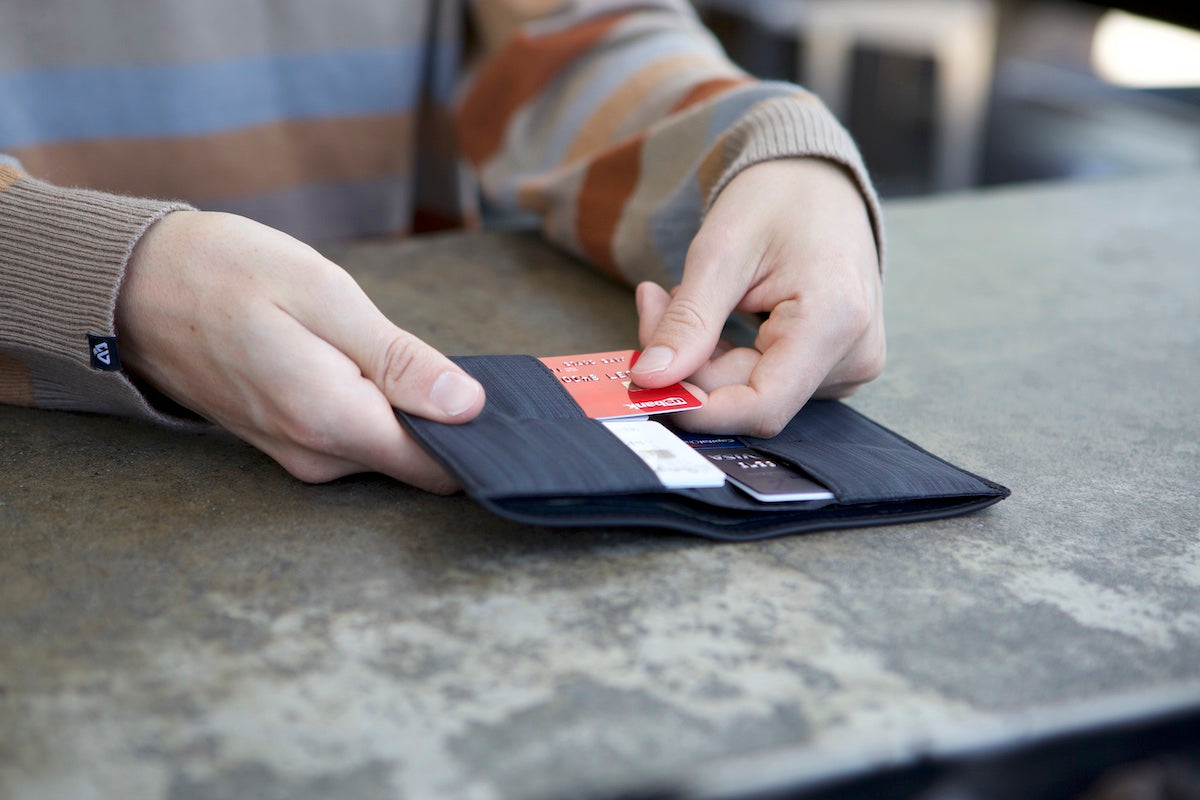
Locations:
(711, 88)
(711, 167)
(15, 386)
(521, 70)
(235, 163)
(600, 129)
(9, 176)
(609, 183)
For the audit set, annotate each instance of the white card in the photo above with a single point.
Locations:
(675, 463)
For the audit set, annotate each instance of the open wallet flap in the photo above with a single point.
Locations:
(533, 456)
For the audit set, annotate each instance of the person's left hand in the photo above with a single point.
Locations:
(793, 239)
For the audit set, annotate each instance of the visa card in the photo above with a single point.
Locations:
(601, 385)
(756, 474)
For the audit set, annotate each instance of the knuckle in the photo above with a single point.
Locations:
(315, 434)
(869, 364)
(319, 428)
(399, 360)
(309, 468)
(861, 372)
(874, 365)
(442, 484)
(858, 314)
(771, 424)
(685, 314)
(840, 391)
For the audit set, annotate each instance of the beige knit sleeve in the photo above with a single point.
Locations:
(618, 123)
(62, 257)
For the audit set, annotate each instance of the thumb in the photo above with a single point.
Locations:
(413, 376)
(679, 333)
(419, 380)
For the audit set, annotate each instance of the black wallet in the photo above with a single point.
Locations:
(533, 456)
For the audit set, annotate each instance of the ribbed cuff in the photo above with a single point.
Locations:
(791, 127)
(63, 254)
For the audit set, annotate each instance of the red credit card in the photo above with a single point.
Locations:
(600, 384)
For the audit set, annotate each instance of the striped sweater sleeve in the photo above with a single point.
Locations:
(618, 123)
(62, 256)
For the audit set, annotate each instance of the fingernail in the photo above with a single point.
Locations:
(453, 393)
(654, 359)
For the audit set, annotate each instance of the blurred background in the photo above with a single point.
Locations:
(944, 95)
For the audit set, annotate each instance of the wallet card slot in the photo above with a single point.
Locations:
(531, 439)
(520, 387)
(497, 456)
(831, 422)
(865, 473)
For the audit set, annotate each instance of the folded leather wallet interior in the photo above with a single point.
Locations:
(533, 456)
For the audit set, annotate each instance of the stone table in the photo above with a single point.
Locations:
(181, 619)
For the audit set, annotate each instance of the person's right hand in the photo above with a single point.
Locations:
(261, 334)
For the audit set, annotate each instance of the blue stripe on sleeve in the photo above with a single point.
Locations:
(734, 105)
(135, 102)
(634, 56)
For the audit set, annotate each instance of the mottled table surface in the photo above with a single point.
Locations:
(181, 619)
